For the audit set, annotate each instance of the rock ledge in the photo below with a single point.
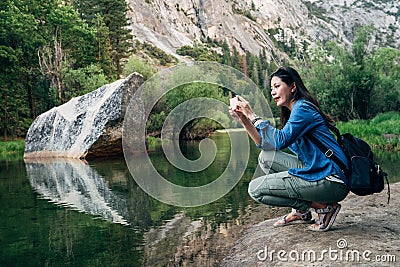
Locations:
(366, 233)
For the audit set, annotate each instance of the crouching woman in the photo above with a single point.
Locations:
(304, 181)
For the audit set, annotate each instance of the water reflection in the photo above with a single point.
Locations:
(170, 236)
(76, 185)
(164, 235)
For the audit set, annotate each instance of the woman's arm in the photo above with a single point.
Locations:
(252, 131)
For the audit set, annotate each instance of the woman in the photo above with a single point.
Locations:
(310, 180)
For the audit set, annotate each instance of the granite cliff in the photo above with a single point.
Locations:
(253, 25)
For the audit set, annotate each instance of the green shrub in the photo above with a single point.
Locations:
(84, 80)
(138, 65)
(12, 149)
(152, 142)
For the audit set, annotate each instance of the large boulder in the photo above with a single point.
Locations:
(85, 127)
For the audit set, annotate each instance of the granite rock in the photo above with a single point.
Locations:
(86, 126)
(366, 233)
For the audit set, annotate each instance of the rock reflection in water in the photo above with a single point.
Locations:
(75, 184)
(169, 235)
(183, 241)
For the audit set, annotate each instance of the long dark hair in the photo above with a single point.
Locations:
(289, 76)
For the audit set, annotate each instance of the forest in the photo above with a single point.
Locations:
(51, 51)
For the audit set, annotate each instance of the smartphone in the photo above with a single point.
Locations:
(232, 102)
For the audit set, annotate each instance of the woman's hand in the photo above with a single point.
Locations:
(234, 115)
(242, 110)
(233, 110)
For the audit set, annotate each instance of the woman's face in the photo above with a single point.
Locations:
(282, 93)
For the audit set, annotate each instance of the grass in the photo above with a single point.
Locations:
(152, 142)
(381, 132)
(10, 150)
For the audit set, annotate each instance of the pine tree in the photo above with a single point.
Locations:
(113, 13)
(235, 59)
(243, 65)
(226, 54)
(104, 47)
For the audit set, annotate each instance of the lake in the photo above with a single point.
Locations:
(72, 213)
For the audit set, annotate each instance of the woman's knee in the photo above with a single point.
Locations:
(265, 160)
(254, 188)
(251, 188)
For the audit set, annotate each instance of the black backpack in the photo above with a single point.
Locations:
(365, 176)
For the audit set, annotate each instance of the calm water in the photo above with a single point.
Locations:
(68, 213)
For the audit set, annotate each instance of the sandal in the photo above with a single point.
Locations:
(323, 223)
(305, 217)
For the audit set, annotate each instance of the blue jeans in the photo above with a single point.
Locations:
(279, 188)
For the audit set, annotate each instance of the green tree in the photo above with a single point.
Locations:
(104, 48)
(226, 54)
(84, 80)
(199, 52)
(358, 83)
(70, 45)
(329, 81)
(113, 13)
(385, 64)
(235, 59)
(361, 78)
(19, 40)
(40, 40)
(198, 126)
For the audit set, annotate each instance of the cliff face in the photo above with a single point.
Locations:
(253, 25)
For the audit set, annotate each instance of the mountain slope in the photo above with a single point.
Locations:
(261, 24)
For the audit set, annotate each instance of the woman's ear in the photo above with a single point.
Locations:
(293, 88)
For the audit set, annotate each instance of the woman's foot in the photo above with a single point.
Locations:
(295, 217)
(326, 217)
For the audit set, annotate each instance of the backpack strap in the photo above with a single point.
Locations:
(328, 153)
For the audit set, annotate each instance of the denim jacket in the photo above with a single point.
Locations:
(303, 119)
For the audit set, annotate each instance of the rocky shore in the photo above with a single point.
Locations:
(366, 233)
